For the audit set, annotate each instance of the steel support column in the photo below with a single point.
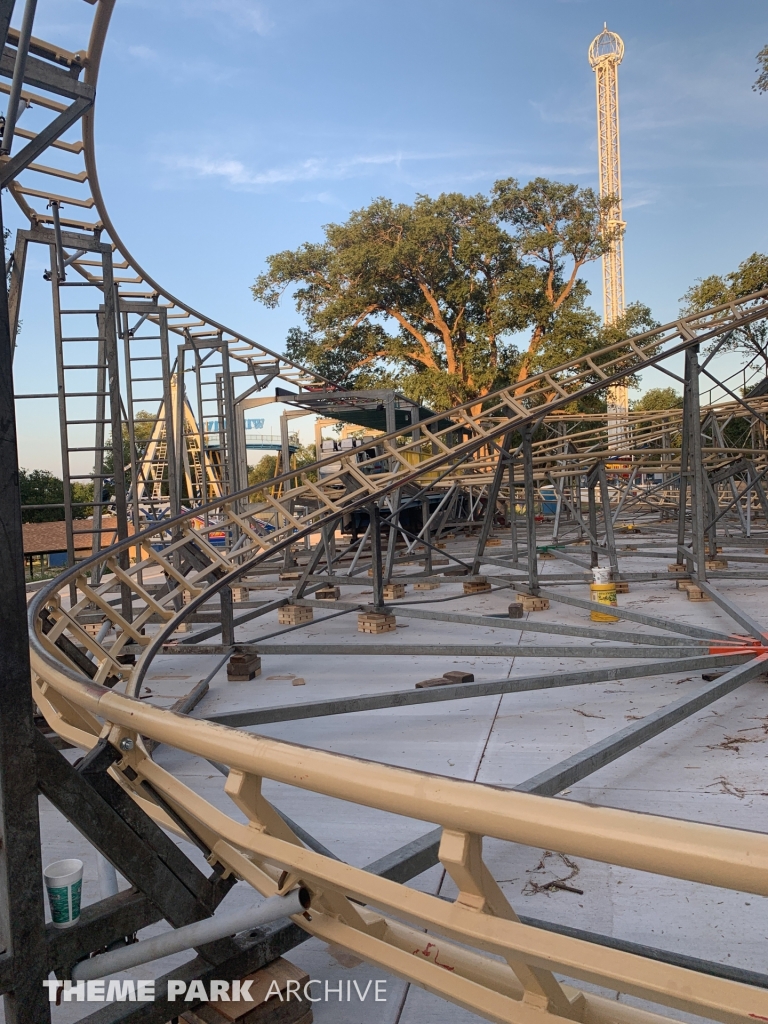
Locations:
(530, 509)
(692, 424)
(378, 579)
(22, 919)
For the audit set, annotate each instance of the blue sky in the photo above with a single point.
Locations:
(231, 129)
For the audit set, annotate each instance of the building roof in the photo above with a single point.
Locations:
(51, 538)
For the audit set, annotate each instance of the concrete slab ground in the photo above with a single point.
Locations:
(710, 768)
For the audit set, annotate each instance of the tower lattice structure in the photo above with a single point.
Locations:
(605, 55)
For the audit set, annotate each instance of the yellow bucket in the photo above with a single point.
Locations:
(603, 594)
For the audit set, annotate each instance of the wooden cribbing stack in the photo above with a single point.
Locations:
(288, 1006)
(244, 664)
(293, 615)
(695, 593)
(393, 591)
(476, 585)
(531, 603)
(376, 622)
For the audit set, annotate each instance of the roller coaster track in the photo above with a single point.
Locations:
(142, 590)
(81, 191)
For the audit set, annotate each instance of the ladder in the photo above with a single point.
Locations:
(88, 392)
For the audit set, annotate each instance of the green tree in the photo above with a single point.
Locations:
(761, 82)
(263, 470)
(82, 496)
(143, 425)
(430, 297)
(39, 487)
(267, 467)
(657, 399)
(749, 277)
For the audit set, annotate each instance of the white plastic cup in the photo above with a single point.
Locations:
(64, 883)
(601, 575)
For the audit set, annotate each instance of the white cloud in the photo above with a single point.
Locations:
(250, 15)
(238, 175)
(143, 52)
(642, 198)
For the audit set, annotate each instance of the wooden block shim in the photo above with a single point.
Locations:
(376, 622)
(459, 676)
(476, 585)
(716, 563)
(622, 587)
(327, 594)
(427, 684)
(533, 604)
(675, 567)
(283, 1008)
(393, 591)
(426, 585)
(435, 561)
(545, 555)
(697, 594)
(493, 542)
(290, 575)
(240, 593)
(293, 614)
(242, 667)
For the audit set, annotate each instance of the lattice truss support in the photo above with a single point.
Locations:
(605, 55)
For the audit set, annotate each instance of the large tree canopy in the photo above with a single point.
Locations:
(431, 297)
(41, 488)
(750, 276)
(657, 400)
(761, 82)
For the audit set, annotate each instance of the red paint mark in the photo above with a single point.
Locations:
(426, 953)
(750, 646)
(757, 1016)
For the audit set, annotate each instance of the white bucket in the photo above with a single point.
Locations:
(601, 575)
(64, 883)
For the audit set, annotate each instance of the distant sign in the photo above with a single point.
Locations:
(212, 426)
